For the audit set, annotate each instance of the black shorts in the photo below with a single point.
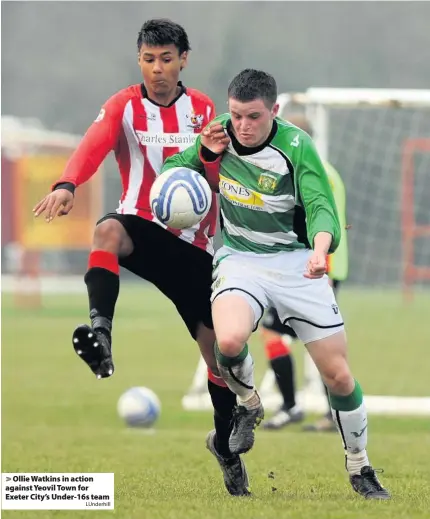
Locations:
(271, 321)
(178, 269)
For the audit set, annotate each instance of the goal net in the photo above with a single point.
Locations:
(379, 141)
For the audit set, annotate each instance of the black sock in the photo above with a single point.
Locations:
(103, 290)
(283, 367)
(223, 401)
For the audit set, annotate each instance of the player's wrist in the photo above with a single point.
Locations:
(64, 185)
(208, 155)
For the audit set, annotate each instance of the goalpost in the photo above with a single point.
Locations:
(381, 138)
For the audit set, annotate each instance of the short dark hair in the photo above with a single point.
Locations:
(253, 84)
(161, 31)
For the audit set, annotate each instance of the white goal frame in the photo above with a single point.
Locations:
(311, 397)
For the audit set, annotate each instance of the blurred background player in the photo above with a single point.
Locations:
(278, 338)
(178, 263)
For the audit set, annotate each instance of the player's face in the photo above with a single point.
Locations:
(252, 121)
(160, 67)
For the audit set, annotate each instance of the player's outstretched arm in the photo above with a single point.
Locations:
(205, 155)
(98, 141)
(317, 198)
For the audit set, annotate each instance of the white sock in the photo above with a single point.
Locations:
(355, 462)
(250, 402)
(240, 377)
(352, 426)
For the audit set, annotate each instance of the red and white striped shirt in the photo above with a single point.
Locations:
(143, 134)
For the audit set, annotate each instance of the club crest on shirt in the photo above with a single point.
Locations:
(267, 182)
(150, 116)
(195, 121)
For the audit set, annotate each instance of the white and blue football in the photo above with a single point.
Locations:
(180, 198)
(139, 407)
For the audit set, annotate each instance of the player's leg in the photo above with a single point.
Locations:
(315, 316)
(183, 273)
(217, 441)
(326, 422)
(93, 343)
(237, 306)
(224, 402)
(277, 340)
(197, 316)
(234, 321)
(348, 410)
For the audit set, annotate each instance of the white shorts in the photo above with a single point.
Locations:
(307, 305)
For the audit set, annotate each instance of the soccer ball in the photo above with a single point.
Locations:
(180, 198)
(139, 407)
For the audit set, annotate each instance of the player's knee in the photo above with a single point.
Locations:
(340, 381)
(111, 236)
(230, 344)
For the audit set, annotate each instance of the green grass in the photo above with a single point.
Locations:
(59, 418)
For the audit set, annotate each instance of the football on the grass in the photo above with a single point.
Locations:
(139, 407)
(180, 198)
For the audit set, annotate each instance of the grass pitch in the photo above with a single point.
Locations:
(56, 417)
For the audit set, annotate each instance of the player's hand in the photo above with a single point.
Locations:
(215, 138)
(57, 203)
(316, 266)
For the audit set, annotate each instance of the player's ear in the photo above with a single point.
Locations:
(275, 110)
(183, 60)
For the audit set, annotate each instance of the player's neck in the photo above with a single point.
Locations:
(165, 98)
